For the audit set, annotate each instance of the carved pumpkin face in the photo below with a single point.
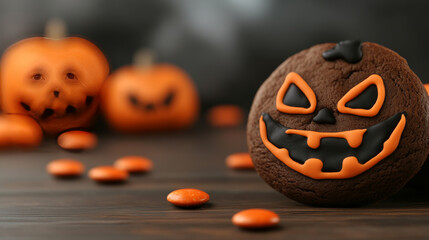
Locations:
(161, 97)
(330, 128)
(332, 155)
(57, 82)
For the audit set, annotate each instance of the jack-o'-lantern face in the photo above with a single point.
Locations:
(321, 143)
(161, 97)
(57, 82)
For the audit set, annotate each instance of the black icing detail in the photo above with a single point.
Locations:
(324, 116)
(349, 50)
(331, 151)
(366, 99)
(295, 97)
(169, 98)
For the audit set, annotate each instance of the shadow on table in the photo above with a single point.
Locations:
(408, 197)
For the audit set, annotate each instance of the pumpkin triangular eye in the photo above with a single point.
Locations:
(295, 96)
(364, 99)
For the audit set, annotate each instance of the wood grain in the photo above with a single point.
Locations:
(33, 205)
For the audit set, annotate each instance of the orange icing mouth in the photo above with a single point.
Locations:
(351, 166)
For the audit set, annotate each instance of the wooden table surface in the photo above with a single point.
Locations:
(33, 205)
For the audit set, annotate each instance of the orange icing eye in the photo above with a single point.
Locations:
(364, 99)
(295, 96)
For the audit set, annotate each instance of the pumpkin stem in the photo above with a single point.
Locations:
(55, 29)
(143, 58)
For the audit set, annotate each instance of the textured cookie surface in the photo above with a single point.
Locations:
(330, 79)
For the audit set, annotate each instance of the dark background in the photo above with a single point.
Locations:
(229, 47)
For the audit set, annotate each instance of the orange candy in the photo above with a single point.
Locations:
(427, 87)
(134, 164)
(65, 168)
(240, 161)
(19, 131)
(255, 218)
(188, 197)
(77, 140)
(107, 174)
(225, 116)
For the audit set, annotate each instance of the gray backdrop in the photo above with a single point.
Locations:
(229, 47)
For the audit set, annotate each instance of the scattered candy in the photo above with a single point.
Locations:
(65, 168)
(107, 174)
(77, 140)
(134, 164)
(188, 197)
(225, 116)
(240, 161)
(255, 218)
(19, 131)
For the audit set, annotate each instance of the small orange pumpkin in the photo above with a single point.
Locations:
(55, 81)
(152, 98)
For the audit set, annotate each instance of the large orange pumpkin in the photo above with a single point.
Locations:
(155, 98)
(55, 81)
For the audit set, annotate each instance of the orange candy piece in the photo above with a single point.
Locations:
(19, 131)
(65, 168)
(77, 140)
(240, 161)
(134, 164)
(107, 174)
(188, 197)
(225, 116)
(255, 218)
(427, 87)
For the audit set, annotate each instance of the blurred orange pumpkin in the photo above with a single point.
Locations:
(55, 81)
(155, 98)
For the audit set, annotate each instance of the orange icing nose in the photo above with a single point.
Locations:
(353, 137)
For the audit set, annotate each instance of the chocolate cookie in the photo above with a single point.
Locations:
(421, 180)
(340, 125)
